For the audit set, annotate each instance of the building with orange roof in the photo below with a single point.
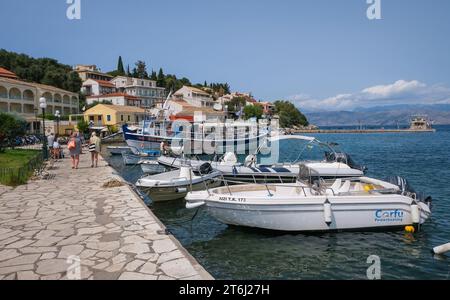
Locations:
(96, 87)
(7, 74)
(115, 99)
(22, 98)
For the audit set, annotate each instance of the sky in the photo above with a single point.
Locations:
(321, 54)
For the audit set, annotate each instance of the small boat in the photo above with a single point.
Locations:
(118, 150)
(151, 167)
(332, 205)
(176, 184)
(335, 164)
(134, 159)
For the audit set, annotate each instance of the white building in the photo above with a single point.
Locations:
(22, 98)
(194, 97)
(93, 87)
(142, 88)
(91, 72)
(115, 99)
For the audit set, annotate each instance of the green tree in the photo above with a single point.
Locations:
(253, 111)
(140, 71)
(235, 104)
(120, 69)
(41, 70)
(161, 79)
(128, 71)
(11, 126)
(83, 126)
(154, 76)
(290, 115)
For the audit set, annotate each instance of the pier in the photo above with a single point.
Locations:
(361, 131)
(73, 226)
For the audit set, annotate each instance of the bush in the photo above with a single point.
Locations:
(11, 126)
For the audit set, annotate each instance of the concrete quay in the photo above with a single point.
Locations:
(71, 227)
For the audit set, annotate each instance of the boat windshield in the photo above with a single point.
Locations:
(295, 149)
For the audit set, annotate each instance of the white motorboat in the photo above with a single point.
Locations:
(151, 167)
(340, 204)
(134, 159)
(334, 165)
(118, 150)
(176, 184)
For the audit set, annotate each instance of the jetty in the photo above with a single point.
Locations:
(294, 131)
(86, 224)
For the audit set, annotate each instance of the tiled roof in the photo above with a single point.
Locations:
(105, 83)
(120, 108)
(126, 96)
(37, 85)
(7, 74)
(196, 90)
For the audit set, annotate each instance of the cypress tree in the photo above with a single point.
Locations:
(161, 78)
(120, 68)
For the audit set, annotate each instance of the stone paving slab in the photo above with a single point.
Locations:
(71, 227)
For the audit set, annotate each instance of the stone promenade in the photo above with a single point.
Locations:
(71, 227)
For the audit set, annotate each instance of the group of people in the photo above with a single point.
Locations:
(75, 147)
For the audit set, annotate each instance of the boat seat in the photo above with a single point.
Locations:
(287, 190)
(336, 186)
(358, 187)
(345, 187)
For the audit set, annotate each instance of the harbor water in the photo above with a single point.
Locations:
(229, 252)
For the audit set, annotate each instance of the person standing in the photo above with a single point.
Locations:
(56, 149)
(74, 146)
(94, 148)
(50, 141)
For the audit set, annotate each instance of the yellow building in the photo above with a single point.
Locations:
(104, 114)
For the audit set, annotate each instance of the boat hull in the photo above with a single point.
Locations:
(118, 150)
(152, 168)
(346, 213)
(170, 193)
(132, 159)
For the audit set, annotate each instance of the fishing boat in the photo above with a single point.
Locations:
(151, 167)
(333, 165)
(118, 150)
(176, 184)
(317, 205)
(134, 159)
(204, 137)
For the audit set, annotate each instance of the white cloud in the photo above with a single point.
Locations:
(399, 92)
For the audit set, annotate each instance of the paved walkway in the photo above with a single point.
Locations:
(71, 227)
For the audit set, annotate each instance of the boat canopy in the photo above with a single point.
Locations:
(291, 137)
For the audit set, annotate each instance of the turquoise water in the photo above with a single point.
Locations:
(238, 253)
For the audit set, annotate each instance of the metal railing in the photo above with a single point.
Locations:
(20, 175)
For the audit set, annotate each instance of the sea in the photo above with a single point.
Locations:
(231, 252)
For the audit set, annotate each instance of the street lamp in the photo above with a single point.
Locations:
(43, 106)
(58, 117)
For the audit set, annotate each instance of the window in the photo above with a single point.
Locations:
(99, 118)
(129, 119)
(121, 118)
(108, 118)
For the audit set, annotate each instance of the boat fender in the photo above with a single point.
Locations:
(181, 190)
(441, 249)
(327, 212)
(415, 213)
(190, 205)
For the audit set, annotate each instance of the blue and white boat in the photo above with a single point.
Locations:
(198, 137)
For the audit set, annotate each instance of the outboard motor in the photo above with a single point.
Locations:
(406, 188)
(205, 168)
(345, 158)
